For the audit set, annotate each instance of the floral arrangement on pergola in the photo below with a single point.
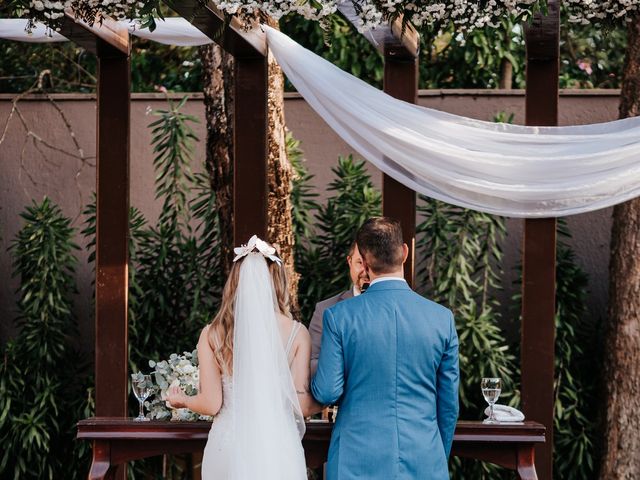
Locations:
(464, 15)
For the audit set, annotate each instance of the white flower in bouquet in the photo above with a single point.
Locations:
(181, 371)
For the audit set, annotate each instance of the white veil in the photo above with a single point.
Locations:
(267, 421)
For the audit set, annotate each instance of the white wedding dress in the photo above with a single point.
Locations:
(257, 432)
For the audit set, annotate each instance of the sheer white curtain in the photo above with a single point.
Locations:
(170, 31)
(502, 169)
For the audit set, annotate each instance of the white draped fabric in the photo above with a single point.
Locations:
(170, 31)
(503, 169)
(496, 168)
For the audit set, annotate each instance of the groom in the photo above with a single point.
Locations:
(389, 359)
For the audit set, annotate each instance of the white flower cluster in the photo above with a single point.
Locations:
(601, 11)
(464, 14)
(276, 9)
(179, 370)
(88, 10)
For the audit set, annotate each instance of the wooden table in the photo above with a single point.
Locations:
(120, 440)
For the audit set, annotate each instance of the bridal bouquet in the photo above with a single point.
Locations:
(179, 370)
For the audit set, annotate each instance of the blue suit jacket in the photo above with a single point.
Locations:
(389, 359)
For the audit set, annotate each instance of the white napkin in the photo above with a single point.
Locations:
(504, 413)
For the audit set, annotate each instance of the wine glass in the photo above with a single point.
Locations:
(491, 388)
(142, 388)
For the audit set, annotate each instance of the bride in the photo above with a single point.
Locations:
(254, 375)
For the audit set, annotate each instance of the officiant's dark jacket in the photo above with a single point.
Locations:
(315, 327)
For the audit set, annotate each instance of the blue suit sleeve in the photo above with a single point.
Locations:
(447, 388)
(327, 385)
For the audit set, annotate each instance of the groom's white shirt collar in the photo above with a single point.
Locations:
(384, 279)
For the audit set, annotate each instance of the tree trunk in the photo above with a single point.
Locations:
(217, 68)
(506, 75)
(280, 174)
(218, 98)
(506, 67)
(621, 383)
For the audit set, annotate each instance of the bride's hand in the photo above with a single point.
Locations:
(176, 397)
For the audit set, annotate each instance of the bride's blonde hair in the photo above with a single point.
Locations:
(221, 328)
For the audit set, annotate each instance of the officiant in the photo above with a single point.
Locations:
(359, 282)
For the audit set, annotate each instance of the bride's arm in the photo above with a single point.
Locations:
(209, 398)
(300, 373)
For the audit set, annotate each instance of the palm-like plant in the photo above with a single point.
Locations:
(42, 388)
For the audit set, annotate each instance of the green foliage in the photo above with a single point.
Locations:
(338, 42)
(322, 255)
(43, 390)
(576, 363)
(172, 143)
(592, 57)
(503, 117)
(453, 60)
(66, 67)
(302, 194)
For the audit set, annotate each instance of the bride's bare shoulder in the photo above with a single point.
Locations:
(206, 337)
(283, 319)
(205, 332)
(303, 336)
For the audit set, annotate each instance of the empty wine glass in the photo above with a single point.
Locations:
(142, 388)
(491, 388)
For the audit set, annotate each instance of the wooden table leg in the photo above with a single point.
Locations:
(526, 463)
(101, 468)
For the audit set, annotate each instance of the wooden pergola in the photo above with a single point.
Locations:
(110, 43)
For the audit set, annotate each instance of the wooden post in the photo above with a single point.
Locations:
(398, 201)
(109, 41)
(250, 143)
(112, 224)
(539, 282)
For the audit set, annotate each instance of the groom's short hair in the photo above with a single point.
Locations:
(379, 241)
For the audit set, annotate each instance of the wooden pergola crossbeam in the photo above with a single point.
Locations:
(400, 48)
(386, 37)
(230, 35)
(99, 38)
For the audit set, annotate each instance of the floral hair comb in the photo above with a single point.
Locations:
(259, 245)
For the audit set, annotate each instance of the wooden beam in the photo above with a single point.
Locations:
(399, 201)
(539, 262)
(231, 36)
(112, 236)
(250, 133)
(104, 36)
(389, 38)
